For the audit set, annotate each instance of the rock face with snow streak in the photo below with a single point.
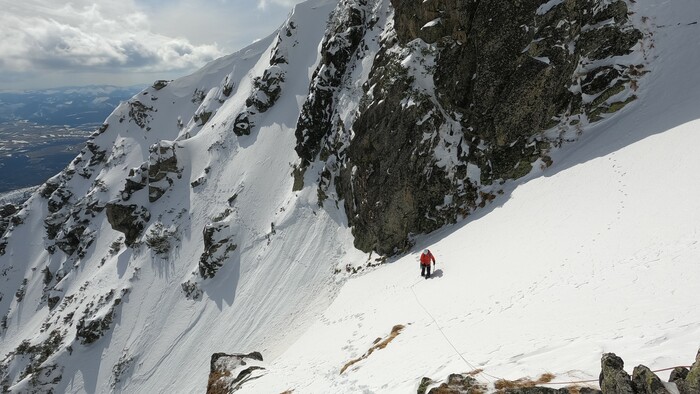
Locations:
(457, 101)
(229, 372)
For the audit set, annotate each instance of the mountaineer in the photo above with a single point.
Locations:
(425, 258)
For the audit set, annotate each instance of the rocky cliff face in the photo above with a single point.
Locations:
(461, 95)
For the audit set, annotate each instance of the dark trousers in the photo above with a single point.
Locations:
(425, 270)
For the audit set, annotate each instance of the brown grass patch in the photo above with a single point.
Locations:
(474, 372)
(378, 344)
(215, 385)
(503, 384)
(288, 392)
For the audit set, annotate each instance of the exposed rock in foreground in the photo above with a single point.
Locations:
(229, 372)
(613, 380)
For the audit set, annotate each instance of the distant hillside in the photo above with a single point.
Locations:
(71, 106)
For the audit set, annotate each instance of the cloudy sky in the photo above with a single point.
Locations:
(49, 43)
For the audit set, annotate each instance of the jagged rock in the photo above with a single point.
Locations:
(93, 324)
(423, 386)
(267, 88)
(160, 84)
(504, 72)
(7, 210)
(138, 112)
(228, 372)
(71, 240)
(91, 330)
(646, 382)
(202, 117)
(191, 290)
(456, 384)
(691, 384)
(100, 130)
(98, 155)
(58, 199)
(33, 358)
(121, 369)
(340, 43)
(54, 222)
(127, 219)
(242, 125)
(217, 246)
(678, 373)
(137, 180)
(50, 186)
(162, 165)
(159, 239)
(613, 378)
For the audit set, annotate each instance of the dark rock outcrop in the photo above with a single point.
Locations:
(160, 84)
(613, 378)
(162, 169)
(691, 383)
(34, 359)
(6, 212)
(458, 384)
(416, 158)
(339, 45)
(217, 246)
(139, 113)
(229, 372)
(647, 382)
(94, 324)
(128, 219)
(267, 88)
(136, 180)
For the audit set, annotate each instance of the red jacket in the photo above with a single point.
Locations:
(425, 259)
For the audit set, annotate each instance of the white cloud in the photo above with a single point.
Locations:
(112, 34)
(263, 4)
(51, 43)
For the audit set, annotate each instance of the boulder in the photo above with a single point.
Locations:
(613, 378)
(455, 384)
(646, 382)
(691, 384)
(228, 372)
(127, 219)
(678, 373)
(217, 247)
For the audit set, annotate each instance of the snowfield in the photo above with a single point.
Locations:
(597, 253)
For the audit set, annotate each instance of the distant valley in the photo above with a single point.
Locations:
(41, 131)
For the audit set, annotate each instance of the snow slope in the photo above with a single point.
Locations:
(598, 253)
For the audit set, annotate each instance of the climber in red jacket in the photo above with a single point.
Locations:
(425, 258)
